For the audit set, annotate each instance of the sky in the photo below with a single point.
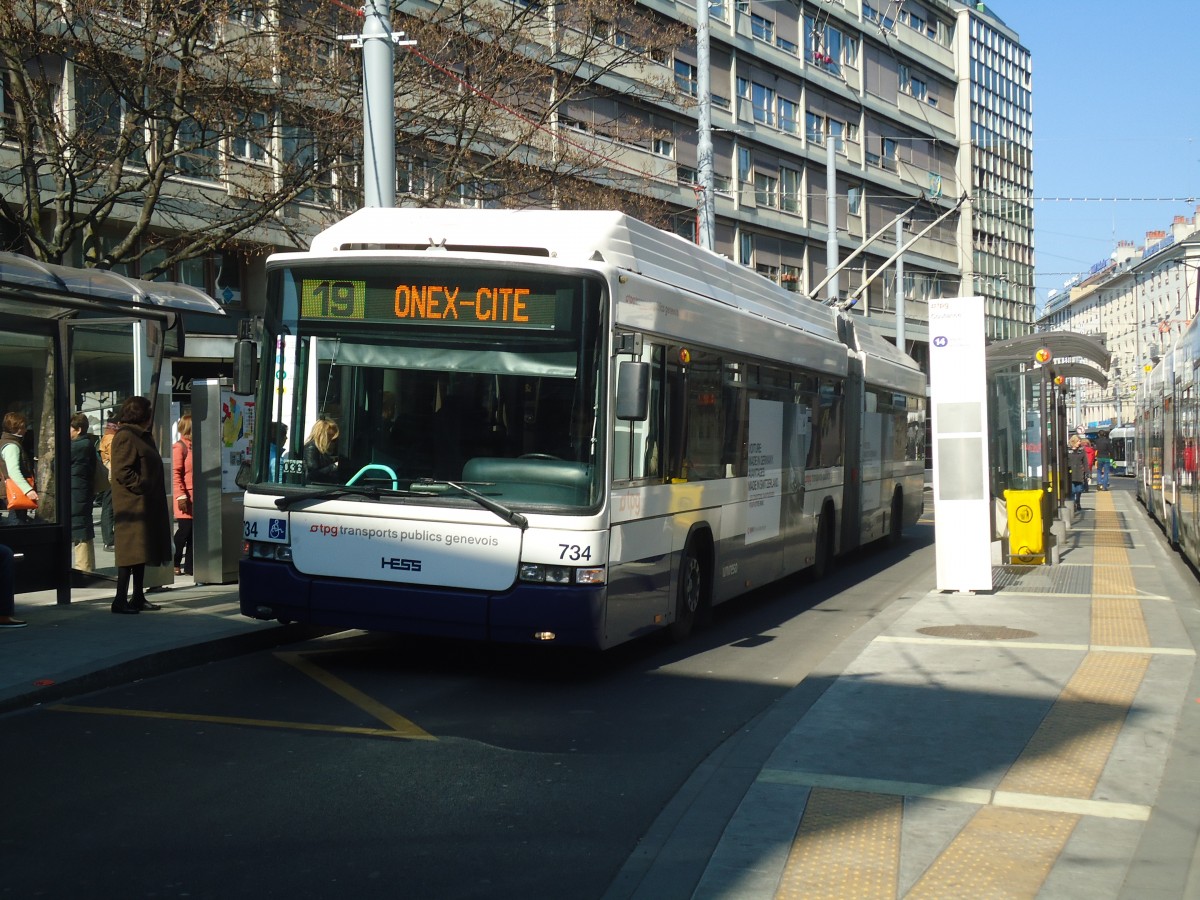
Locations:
(1114, 119)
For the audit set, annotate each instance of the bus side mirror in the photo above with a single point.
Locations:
(633, 391)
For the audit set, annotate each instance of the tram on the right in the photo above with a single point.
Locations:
(1166, 429)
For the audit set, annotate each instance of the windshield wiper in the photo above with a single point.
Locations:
(508, 515)
(372, 493)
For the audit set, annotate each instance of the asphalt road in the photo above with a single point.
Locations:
(372, 766)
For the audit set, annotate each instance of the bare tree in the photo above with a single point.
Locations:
(527, 103)
(169, 127)
(152, 131)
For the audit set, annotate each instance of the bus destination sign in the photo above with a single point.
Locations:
(428, 303)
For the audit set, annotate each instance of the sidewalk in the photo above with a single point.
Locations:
(82, 646)
(1039, 740)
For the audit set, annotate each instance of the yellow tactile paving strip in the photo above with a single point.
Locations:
(848, 842)
(1111, 574)
(1067, 753)
(1118, 622)
(1001, 853)
(848, 845)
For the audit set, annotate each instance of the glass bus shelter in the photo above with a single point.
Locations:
(78, 340)
(1028, 380)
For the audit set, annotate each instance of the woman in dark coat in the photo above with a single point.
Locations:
(141, 521)
(83, 473)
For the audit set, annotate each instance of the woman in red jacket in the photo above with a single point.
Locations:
(181, 482)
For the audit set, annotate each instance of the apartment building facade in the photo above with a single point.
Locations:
(922, 104)
(1138, 301)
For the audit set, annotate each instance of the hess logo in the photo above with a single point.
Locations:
(400, 565)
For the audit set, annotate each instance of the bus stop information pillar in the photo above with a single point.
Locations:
(958, 399)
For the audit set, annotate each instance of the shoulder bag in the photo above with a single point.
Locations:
(14, 497)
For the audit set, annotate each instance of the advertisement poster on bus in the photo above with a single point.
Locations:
(764, 472)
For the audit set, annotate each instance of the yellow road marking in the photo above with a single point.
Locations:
(398, 726)
(227, 720)
(369, 705)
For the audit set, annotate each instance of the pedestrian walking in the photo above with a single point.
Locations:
(83, 475)
(142, 524)
(1077, 468)
(181, 482)
(1103, 460)
(8, 588)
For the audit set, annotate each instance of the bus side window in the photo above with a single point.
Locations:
(637, 450)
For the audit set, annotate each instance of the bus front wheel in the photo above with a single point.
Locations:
(689, 595)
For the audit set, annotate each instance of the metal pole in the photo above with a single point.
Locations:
(900, 336)
(379, 117)
(706, 212)
(831, 240)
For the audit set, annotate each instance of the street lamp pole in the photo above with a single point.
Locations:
(706, 214)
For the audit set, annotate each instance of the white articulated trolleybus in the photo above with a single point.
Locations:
(564, 427)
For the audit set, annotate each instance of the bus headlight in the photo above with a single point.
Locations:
(262, 550)
(543, 574)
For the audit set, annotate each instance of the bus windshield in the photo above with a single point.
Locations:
(412, 379)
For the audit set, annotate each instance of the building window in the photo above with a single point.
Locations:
(789, 190)
(837, 131)
(789, 277)
(766, 190)
(244, 145)
(788, 113)
(663, 147)
(746, 249)
(761, 28)
(196, 150)
(888, 148)
(685, 77)
(814, 128)
(745, 165)
(763, 100)
(854, 199)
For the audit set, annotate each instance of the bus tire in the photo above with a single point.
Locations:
(896, 525)
(690, 593)
(823, 553)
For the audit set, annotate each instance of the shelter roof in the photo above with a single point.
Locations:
(58, 291)
(1062, 345)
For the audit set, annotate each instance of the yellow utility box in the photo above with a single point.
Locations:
(1026, 536)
